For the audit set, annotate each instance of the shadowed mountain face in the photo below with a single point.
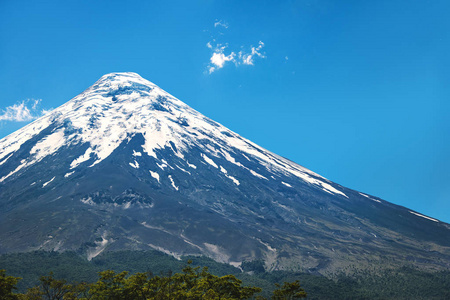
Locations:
(125, 165)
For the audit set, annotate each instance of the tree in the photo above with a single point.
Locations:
(110, 286)
(7, 285)
(288, 291)
(54, 289)
(204, 285)
(191, 284)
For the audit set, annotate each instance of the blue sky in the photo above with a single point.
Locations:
(357, 91)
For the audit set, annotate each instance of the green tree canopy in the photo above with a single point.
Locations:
(7, 285)
(288, 291)
(192, 283)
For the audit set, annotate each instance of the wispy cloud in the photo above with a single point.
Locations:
(24, 111)
(247, 58)
(221, 23)
(221, 54)
(218, 58)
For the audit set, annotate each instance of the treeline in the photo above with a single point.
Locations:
(192, 283)
(403, 283)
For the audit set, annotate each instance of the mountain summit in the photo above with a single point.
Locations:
(125, 165)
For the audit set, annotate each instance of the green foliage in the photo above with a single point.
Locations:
(7, 285)
(109, 286)
(288, 291)
(55, 289)
(403, 283)
(191, 283)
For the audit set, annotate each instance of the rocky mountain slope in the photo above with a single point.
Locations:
(125, 165)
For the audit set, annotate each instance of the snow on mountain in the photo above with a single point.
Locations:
(121, 105)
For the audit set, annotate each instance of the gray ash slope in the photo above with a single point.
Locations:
(125, 165)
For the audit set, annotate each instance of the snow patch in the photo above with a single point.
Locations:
(209, 161)
(172, 182)
(257, 175)
(183, 170)
(236, 182)
(286, 184)
(370, 198)
(135, 164)
(15, 140)
(23, 165)
(48, 145)
(231, 159)
(323, 185)
(222, 169)
(164, 165)
(246, 157)
(154, 175)
(45, 184)
(3, 161)
(422, 216)
(85, 157)
(68, 174)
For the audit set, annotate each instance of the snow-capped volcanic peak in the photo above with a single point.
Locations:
(121, 105)
(125, 165)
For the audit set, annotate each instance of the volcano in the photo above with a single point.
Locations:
(126, 166)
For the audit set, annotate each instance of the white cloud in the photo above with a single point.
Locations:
(247, 59)
(24, 111)
(219, 57)
(221, 23)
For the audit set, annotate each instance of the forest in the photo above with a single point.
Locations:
(191, 283)
(155, 275)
